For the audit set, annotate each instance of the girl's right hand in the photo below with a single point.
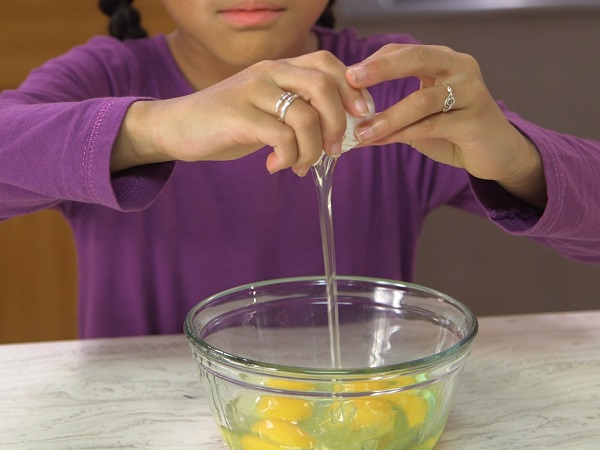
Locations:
(236, 117)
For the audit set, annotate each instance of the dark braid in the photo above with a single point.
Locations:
(124, 19)
(327, 19)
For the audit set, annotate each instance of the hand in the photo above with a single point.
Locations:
(236, 117)
(474, 134)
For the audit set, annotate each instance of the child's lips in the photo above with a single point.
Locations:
(256, 16)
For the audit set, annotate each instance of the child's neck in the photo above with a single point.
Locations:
(202, 71)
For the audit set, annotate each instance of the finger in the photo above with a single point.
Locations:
(268, 130)
(353, 99)
(326, 82)
(412, 109)
(304, 120)
(434, 136)
(293, 129)
(429, 129)
(324, 101)
(322, 94)
(400, 61)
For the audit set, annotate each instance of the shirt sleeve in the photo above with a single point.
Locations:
(57, 131)
(570, 223)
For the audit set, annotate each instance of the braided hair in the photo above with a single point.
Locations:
(327, 19)
(124, 19)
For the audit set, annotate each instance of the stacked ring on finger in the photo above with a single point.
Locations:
(283, 104)
(450, 100)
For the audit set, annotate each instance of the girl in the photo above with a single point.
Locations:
(168, 155)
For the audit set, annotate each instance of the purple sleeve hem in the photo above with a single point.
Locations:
(509, 212)
(130, 190)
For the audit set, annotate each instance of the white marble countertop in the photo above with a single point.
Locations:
(532, 382)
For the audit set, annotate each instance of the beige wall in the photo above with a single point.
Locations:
(546, 67)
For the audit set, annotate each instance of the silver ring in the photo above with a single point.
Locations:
(283, 104)
(450, 100)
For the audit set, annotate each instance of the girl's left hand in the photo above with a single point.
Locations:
(474, 134)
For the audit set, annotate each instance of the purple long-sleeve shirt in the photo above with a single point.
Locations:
(154, 240)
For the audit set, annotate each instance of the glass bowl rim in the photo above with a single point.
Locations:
(406, 367)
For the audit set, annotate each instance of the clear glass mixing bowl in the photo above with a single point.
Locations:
(263, 354)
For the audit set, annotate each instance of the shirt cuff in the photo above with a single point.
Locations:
(133, 189)
(504, 209)
(509, 212)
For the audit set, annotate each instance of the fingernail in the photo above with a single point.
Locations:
(272, 171)
(301, 172)
(358, 73)
(364, 133)
(361, 106)
(336, 149)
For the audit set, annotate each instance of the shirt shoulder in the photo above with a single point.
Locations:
(103, 67)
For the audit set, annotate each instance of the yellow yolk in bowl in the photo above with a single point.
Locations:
(357, 415)
(415, 407)
(371, 415)
(290, 409)
(283, 434)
